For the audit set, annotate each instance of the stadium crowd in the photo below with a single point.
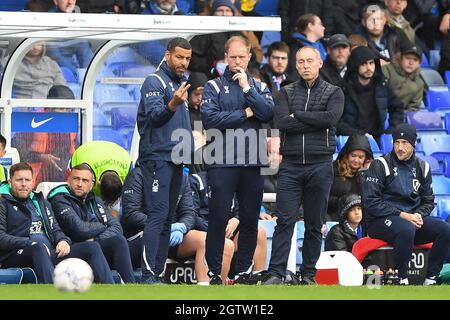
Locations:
(348, 68)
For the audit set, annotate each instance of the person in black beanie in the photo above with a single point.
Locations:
(398, 199)
(197, 80)
(368, 99)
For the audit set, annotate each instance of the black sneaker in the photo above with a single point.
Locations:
(308, 281)
(250, 278)
(272, 280)
(243, 278)
(153, 280)
(215, 280)
(292, 279)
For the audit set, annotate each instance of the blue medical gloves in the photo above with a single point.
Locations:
(176, 235)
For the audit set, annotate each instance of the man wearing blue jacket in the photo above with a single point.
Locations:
(84, 217)
(398, 199)
(235, 105)
(162, 113)
(30, 235)
(186, 238)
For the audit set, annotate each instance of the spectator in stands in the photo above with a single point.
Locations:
(306, 173)
(309, 32)
(102, 6)
(237, 170)
(335, 66)
(161, 111)
(199, 185)
(185, 239)
(110, 164)
(356, 40)
(403, 76)
(346, 15)
(368, 99)
(71, 54)
(65, 6)
(38, 5)
(197, 80)
(386, 40)
(208, 55)
(48, 152)
(274, 72)
(395, 18)
(353, 159)
(398, 199)
(36, 74)
(168, 7)
(291, 10)
(31, 237)
(343, 235)
(444, 27)
(84, 217)
(424, 18)
(3, 171)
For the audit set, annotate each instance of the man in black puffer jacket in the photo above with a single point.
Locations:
(84, 217)
(306, 112)
(30, 236)
(343, 236)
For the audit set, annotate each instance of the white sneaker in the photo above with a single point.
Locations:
(430, 281)
(404, 282)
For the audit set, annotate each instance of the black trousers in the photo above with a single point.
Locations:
(117, 254)
(403, 235)
(298, 184)
(224, 182)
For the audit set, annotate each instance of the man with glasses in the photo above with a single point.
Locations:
(274, 72)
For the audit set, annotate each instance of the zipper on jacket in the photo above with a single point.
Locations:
(328, 140)
(303, 135)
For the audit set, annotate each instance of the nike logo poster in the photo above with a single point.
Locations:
(44, 122)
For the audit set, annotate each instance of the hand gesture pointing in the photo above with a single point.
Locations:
(179, 96)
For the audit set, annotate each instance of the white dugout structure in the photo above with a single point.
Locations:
(19, 31)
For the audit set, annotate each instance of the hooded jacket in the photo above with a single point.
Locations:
(391, 186)
(134, 217)
(408, 88)
(16, 218)
(385, 100)
(342, 237)
(345, 185)
(75, 215)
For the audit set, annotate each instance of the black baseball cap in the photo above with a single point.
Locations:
(338, 39)
(414, 50)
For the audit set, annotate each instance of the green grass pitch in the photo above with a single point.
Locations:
(193, 292)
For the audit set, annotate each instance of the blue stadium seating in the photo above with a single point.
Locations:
(431, 77)
(447, 77)
(438, 98)
(443, 208)
(101, 119)
(435, 57)
(110, 135)
(434, 164)
(425, 63)
(123, 118)
(441, 185)
(139, 71)
(123, 54)
(68, 74)
(435, 143)
(12, 5)
(425, 120)
(267, 7)
(386, 142)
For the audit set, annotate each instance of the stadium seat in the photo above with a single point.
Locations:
(123, 54)
(330, 225)
(424, 120)
(267, 7)
(100, 118)
(111, 92)
(12, 5)
(447, 77)
(76, 89)
(123, 118)
(110, 135)
(434, 164)
(447, 122)
(68, 74)
(435, 143)
(435, 58)
(431, 77)
(438, 98)
(425, 63)
(386, 142)
(11, 276)
(443, 208)
(441, 185)
(141, 71)
(340, 142)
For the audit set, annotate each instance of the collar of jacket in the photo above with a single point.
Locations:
(304, 84)
(402, 72)
(172, 75)
(301, 37)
